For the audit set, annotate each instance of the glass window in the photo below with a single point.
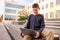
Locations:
(58, 13)
(51, 14)
(10, 11)
(42, 7)
(39, 1)
(46, 5)
(57, 2)
(42, 0)
(46, 15)
(51, 4)
(10, 17)
(14, 5)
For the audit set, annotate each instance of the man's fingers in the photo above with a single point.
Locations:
(22, 34)
(36, 36)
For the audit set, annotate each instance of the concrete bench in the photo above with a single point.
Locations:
(57, 19)
(16, 34)
(3, 33)
(56, 37)
(52, 23)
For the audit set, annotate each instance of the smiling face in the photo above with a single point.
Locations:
(35, 8)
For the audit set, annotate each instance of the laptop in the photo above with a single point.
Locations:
(28, 32)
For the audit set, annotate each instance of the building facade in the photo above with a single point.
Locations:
(11, 10)
(49, 8)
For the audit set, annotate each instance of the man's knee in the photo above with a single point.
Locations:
(47, 32)
(52, 31)
(27, 37)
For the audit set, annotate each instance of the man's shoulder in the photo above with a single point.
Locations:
(41, 15)
(30, 15)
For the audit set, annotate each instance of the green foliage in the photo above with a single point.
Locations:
(0, 19)
(22, 18)
(23, 15)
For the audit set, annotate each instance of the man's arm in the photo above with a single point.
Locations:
(42, 24)
(28, 23)
(41, 27)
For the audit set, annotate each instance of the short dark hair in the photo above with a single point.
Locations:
(35, 5)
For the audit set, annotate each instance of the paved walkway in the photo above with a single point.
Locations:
(3, 33)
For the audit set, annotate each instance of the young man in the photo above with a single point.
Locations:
(36, 22)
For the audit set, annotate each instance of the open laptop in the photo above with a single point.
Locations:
(28, 31)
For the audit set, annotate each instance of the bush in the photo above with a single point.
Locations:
(23, 15)
(22, 18)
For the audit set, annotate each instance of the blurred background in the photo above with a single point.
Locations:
(9, 9)
(14, 14)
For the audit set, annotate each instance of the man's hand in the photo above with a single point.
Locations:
(22, 34)
(37, 35)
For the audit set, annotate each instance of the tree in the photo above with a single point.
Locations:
(23, 15)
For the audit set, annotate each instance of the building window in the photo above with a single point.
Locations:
(39, 1)
(42, 7)
(51, 5)
(10, 17)
(43, 0)
(46, 15)
(58, 13)
(51, 14)
(10, 11)
(46, 5)
(14, 5)
(57, 2)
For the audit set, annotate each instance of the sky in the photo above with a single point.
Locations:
(1, 7)
(20, 1)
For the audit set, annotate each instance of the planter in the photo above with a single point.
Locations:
(21, 22)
